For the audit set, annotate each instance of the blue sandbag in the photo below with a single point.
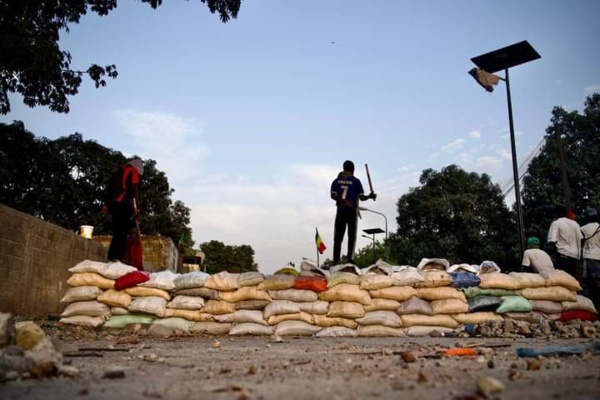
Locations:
(464, 279)
(592, 347)
(484, 303)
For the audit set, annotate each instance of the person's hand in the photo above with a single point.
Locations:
(373, 195)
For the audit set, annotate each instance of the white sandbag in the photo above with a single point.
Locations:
(561, 278)
(277, 282)
(380, 331)
(409, 320)
(278, 307)
(138, 291)
(582, 303)
(240, 316)
(210, 328)
(297, 295)
(434, 279)
(398, 293)
(81, 293)
(346, 309)
(170, 326)
(251, 278)
(83, 320)
(414, 305)
(449, 306)
(488, 267)
(433, 264)
(546, 306)
(408, 276)
(217, 307)
(347, 268)
(119, 311)
(251, 304)
(382, 304)
(152, 305)
(337, 331)
(477, 317)
(164, 280)
(223, 281)
(194, 279)
(498, 280)
(296, 328)
(420, 330)
(248, 328)
(299, 316)
(441, 293)
(244, 293)
(346, 292)
(186, 302)
(90, 279)
(326, 322)
(379, 268)
(91, 308)
(121, 321)
(115, 298)
(205, 293)
(343, 277)
(190, 315)
(552, 293)
(528, 279)
(314, 307)
(369, 282)
(113, 270)
(385, 318)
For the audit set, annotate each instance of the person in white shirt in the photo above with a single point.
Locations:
(564, 237)
(536, 258)
(591, 256)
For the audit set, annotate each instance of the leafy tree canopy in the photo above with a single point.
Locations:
(222, 257)
(31, 61)
(455, 215)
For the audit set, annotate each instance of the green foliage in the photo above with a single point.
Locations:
(34, 65)
(222, 257)
(63, 181)
(454, 215)
(368, 255)
(542, 187)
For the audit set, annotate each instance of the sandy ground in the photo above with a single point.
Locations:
(142, 367)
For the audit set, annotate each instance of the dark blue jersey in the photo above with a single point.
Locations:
(347, 187)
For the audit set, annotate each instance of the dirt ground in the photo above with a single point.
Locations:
(132, 366)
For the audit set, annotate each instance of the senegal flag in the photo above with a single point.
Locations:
(320, 245)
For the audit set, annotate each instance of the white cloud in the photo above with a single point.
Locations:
(474, 134)
(454, 146)
(592, 89)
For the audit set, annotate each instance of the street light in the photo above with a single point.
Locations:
(373, 232)
(377, 212)
(494, 61)
(370, 238)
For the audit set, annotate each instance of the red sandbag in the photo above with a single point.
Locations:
(315, 283)
(583, 315)
(131, 279)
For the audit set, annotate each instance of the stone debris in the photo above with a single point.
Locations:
(488, 385)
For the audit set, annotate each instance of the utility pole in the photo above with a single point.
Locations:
(563, 170)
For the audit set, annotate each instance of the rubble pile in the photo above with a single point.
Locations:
(433, 298)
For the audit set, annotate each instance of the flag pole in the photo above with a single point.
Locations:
(317, 247)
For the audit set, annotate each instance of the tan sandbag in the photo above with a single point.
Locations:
(299, 316)
(81, 293)
(152, 305)
(414, 305)
(370, 282)
(251, 278)
(252, 304)
(296, 328)
(380, 331)
(296, 295)
(546, 306)
(398, 293)
(278, 307)
(477, 317)
(441, 293)
(428, 320)
(28, 334)
(277, 282)
(138, 291)
(418, 330)
(528, 279)
(186, 302)
(83, 320)
(346, 292)
(345, 309)
(240, 316)
(342, 277)
(169, 326)
(210, 328)
(409, 276)
(561, 278)
(91, 308)
(190, 315)
(217, 307)
(119, 311)
(449, 306)
(248, 328)
(382, 304)
(325, 321)
(205, 293)
(498, 280)
(90, 279)
(582, 303)
(552, 293)
(115, 298)
(434, 278)
(222, 281)
(244, 293)
(381, 317)
(314, 307)
(337, 331)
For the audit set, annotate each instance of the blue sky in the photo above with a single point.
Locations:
(251, 120)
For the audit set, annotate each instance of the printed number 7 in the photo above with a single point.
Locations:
(344, 191)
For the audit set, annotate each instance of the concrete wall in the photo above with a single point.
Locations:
(34, 260)
(159, 252)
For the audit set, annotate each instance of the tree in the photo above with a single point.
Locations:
(542, 187)
(222, 257)
(368, 255)
(455, 215)
(31, 61)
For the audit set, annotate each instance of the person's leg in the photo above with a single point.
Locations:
(352, 227)
(339, 231)
(121, 217)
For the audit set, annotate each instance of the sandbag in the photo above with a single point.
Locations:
(314, 307)
(139, 291)
(296, 328)
(81, 293)
(371, 282)
(112, 271)
(380, 331)
(441, 293)
(414, 305)
(398, 293)
(343, 277)
(223, 281)
(286, 271)
(186, 302)
(91, 308)
(345, 309)
(169, 326)
(513, 304)
(119, 311)
(131, 279)
(337, 331)
(528, 279)
(299, 316)
(449, 306)
(295, 295)
(421, 330)
(252, 304)
(244, 293)
(250, 278)
(326, 322)
(152, 305)
(552, 293)
(240, 316)
(115, 298)
(90, 279)
(581, 315)
(190, 315)
(28, 334)
(382, 304)
(217, 307)
(210, 328)
(278, 307)
(164, 280)
(434, 279)
(484, 303)
(433, 264)
(121, 321)
(477, 317)
(546, 306)
(277, 282)
(498, 280)
(248, 328)
(346, 292)
(464, 279)
(205, 293)
(472, 292)
(385, 318)
(408, 276)
(447, 321)
(83, 320)
(582, 303)
(316, 284)
(561, 278)
(194, 279)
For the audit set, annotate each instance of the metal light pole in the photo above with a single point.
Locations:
(498, 60)
(377, 212)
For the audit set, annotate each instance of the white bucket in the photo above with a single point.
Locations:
(86, 231)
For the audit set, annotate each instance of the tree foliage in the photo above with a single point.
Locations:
(31, 60)
(63, 181)
(455, 215)
(368, 255)
(222, 257)
(542, 186)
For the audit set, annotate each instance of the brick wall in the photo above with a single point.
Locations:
(34, 260)
(159, 252)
